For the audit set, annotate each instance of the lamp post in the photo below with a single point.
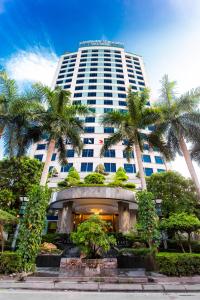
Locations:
(23, 203)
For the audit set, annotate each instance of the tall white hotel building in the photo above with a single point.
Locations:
(99, 74)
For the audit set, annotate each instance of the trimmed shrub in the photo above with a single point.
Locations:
(130, 185)
(10, 262)
(178, 264)
(94, 178)
(136, 251)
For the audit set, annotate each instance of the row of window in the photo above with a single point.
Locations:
(105, 75)
(109, 167)
(109, 153)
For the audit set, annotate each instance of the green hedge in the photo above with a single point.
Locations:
(178, 264)
(136, 251)
(10, 262)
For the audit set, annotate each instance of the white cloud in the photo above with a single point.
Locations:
(37, 64)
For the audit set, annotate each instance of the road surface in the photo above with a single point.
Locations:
(53, 295)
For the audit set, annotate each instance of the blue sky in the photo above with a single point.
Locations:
(33, 33)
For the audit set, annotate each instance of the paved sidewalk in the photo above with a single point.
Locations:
(52, 284)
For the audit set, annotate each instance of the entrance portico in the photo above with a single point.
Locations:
(117, 206)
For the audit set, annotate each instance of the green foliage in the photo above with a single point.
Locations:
(120, 175)
(17, 176)
(10, 262)
(94, 178)
(136, 251)
(178, 193)
(178, 264)
(32, 225)
(6, 199)
(181, 223)
(72, 179)
(129, 185)
(7, 218)
(147, 218)
(92, 238)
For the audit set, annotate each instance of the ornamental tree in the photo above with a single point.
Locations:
(179, 224)
(92, 237)
(94, 178)
(18, 175)
(178, 193)
(32, 225)
(147, 218)
(120, 175)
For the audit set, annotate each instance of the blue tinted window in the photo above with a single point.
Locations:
(109, 153)
(122, 103)
(89, 129)
(67, 86)
(108, 130)
(159, 160)
(92, 94)
(91, 101)
(86, 167)
(108, 102)
(70, 153)
(39, 156)
(106, 110)
(160, 170)
(122, 95)
(107, 87)
(107, 94)
(88, 141)
(77, 95)
(146, 158)
(79, 88)
(90, 119)
(121, 88)
(146, 147)
(129, 168)
(148, 171)
(53, 157)
(110, 167)
(131, 154)
(66, 167)
(151, 128)
(41, 146)
(87, 153)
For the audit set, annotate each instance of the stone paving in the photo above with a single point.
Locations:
(52, 284)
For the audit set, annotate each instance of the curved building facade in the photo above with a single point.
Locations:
(99, 74)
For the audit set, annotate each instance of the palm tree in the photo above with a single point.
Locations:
(195, 152)
(19, 127)
(129, 126)
(179, 122)
(59, 123)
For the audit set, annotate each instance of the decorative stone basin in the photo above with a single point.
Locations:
(89, 266)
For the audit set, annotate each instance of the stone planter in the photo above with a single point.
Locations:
(136, 261)
(90, 267)
(48, 260)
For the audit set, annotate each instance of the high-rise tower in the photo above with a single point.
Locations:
(99, 74)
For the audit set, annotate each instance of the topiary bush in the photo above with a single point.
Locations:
(32, 225)
(94, 178)
(130, 185)
(178, 264)
(10, 262)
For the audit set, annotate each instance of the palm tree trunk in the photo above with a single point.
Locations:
(190, 166)
(45, 171)
(140, 165)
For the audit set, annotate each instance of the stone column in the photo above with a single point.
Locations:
(124, 217)
(65, 218)
(132, 218)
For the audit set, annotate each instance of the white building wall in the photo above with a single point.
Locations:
(73, 67)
